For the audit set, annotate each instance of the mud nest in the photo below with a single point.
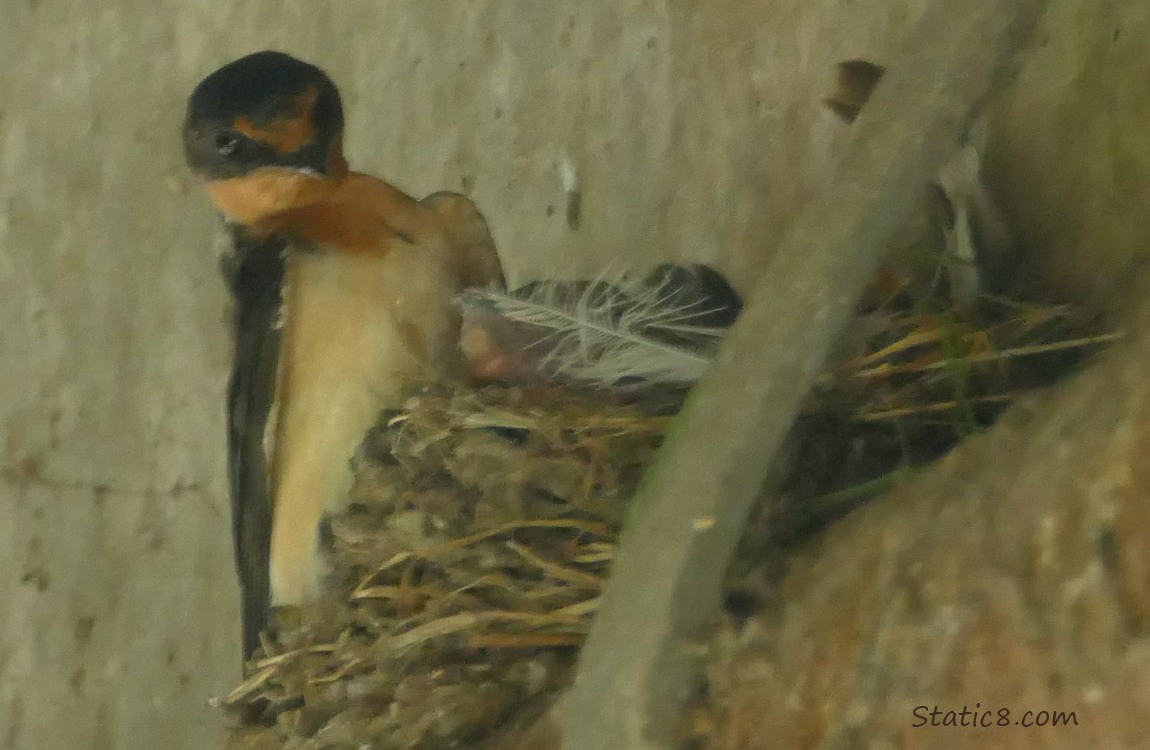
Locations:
(467, 569)
(469, 563)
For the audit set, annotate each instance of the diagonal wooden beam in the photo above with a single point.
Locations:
(636, 668)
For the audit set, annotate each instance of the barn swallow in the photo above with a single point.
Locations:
(343, 287)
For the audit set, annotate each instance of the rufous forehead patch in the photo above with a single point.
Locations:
(286, 134)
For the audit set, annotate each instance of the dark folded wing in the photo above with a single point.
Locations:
(255, 274)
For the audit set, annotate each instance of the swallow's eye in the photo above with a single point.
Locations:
(228, 143)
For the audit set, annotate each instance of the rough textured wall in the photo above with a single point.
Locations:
(692, 131)
(1069, 154)
(1010, 577)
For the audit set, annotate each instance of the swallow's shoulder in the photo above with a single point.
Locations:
(467, 231)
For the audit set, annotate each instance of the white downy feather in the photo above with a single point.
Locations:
(615, 333)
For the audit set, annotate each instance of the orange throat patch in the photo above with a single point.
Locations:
(351, 213)
(267, 192)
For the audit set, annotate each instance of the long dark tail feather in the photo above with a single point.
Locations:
(255, 275)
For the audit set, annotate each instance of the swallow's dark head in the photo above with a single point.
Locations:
(266, 110)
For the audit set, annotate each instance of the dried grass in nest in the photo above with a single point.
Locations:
(469, 564)
(916, 376)
(483, 524)
(920, 376)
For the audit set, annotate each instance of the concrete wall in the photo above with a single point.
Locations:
(692, 131)
(1070, 155)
